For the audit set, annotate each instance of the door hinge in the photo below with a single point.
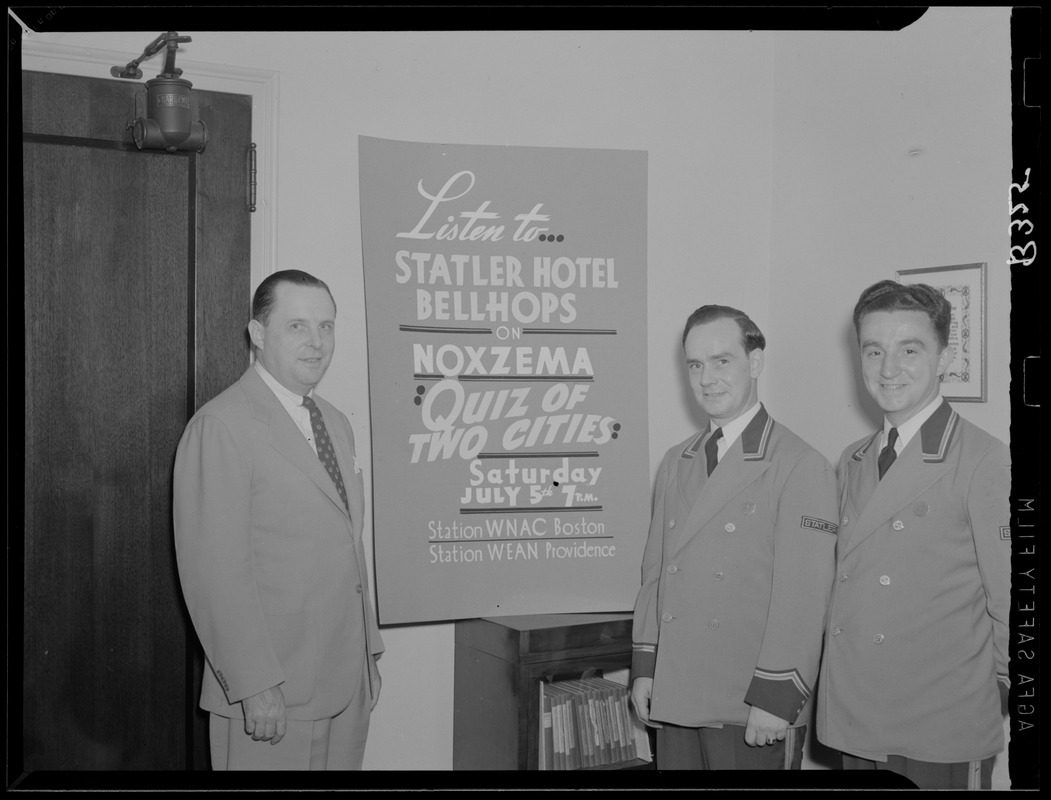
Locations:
(251, 176)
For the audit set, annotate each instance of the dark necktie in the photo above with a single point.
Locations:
(711, 450)
(325, 451)
(887, 454)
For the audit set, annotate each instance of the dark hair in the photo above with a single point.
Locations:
(751, 337)
(894, 296)
(263, 301)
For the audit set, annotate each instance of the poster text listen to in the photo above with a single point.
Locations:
(505, 294)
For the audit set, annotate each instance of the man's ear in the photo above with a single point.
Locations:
(255, 333)
(756, 362)
(944, 359)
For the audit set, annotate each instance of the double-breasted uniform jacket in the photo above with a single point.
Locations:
(272, 565)
(736, 576)
(918, 624)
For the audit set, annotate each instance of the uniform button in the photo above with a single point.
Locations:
(749, 507)
(713, 624)
(836, 631)
(843, 576)
(885, 580)
(666, 617)
(846, 520)
(672, 569)
(671, 523)
(921, 508)
(898, 525)
(358, 588)
(878, 638)
(718, 576)
(730, 527)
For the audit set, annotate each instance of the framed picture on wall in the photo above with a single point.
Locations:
(963, 285)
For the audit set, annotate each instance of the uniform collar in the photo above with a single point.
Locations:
(937, 432)
(935, 435)
(912, 425)
(754, 437)
(735, 427)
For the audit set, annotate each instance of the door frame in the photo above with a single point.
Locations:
(261, 85)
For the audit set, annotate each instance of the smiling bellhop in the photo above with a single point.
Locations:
(916, 651)
(737, 572)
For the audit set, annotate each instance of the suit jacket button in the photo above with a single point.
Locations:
(921, 508)
(749, 507)
(878, 638)
(666, 617)
(836, 631)
(846, 520)
(713, 624)
(884, 580)
(718, 576)
(672, 569)
(671, 523)
(898, 525)
(730, 527)
(358, 588)
(842, 576)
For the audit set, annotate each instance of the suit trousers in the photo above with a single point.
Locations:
(336, 743)
(725, 748)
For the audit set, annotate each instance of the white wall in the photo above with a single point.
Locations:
(891, 151)
(777, 171)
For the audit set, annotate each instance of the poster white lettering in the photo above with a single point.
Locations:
(505, 292)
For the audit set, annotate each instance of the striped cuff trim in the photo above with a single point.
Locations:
(791, 675)
(643, 660)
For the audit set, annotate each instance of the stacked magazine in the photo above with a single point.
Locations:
(587, 723)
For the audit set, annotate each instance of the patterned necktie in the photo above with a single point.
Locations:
(887, 454)
(711, 450)
(325, 451)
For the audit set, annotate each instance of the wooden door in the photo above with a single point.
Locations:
(136, 298)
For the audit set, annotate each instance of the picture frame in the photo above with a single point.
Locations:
(963, 285)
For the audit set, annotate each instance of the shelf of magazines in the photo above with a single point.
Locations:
(588, 723)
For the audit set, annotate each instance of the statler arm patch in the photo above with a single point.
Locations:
(820, 525)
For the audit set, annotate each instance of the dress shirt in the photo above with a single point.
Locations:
(293, 404)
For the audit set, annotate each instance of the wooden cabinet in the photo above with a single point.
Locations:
(499, 664)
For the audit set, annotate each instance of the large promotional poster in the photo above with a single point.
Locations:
(505, 292)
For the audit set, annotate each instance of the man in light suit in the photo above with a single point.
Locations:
(268, 512)
(914, 677)
(736, 572)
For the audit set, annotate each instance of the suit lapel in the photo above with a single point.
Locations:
(285, 437)
(744, 462)
(692, 471)
(862, 477)
(920, 464)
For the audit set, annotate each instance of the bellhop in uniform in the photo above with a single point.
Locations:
(915, 670)
(736, 571)
(268, 507)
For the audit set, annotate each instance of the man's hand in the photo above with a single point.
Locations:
(764, 728)
(641, 689)
(265, 715)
